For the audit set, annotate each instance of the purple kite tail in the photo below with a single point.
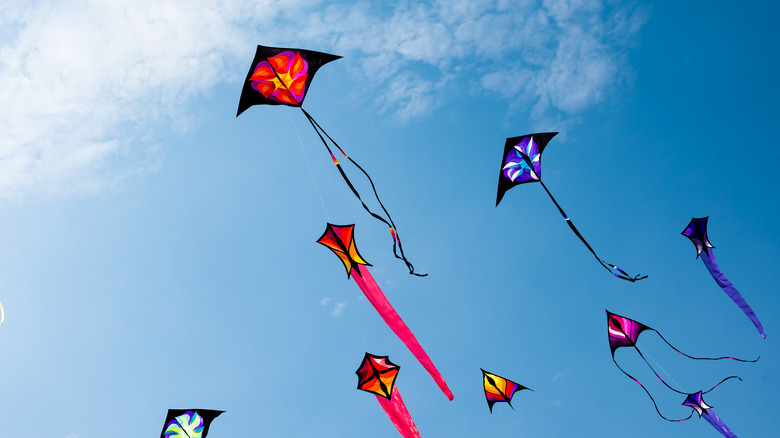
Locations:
(377, 298)
(398, 414)
(731, 291)
(717, 423)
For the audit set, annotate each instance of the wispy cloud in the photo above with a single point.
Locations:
(338, 309)
(86, 82)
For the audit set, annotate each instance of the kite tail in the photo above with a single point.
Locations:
(717, 423)
(702, 358)
(395, 408)
(730, 290)
(374, 294)
(397, 247)
(616, 271)
(718, 384)
(656, 374)
(648, 394)
(667, 385)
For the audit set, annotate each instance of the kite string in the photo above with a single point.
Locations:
(308, 164)
(659, 366)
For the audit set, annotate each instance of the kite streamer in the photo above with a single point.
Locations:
(340, 240)
(697, 232)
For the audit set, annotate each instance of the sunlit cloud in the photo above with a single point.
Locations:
(87, 84)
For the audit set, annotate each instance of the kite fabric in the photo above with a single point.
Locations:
(696, 401)
(697, 232)
(281, 76)
(624, 332)
(188, 423)
(340, 239)
(522, 163)
(377, 375)
(499, 389)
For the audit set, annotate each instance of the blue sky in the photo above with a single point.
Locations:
(160, 253)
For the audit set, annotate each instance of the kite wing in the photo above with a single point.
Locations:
(280, 76)
(697, 232)
(188, 423)
(499, 389)
(696, 401)
(377, 375)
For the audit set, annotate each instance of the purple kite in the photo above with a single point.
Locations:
(624, 332)
(697, 232)
(522, 163)
(696, 402)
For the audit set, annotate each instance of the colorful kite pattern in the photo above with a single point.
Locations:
(188, 423)
(697, 232)
(377, 375)
(499, 389)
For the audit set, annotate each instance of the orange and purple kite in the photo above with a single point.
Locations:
(499, 389)
(697, 232)
(281, 76)
(340, 239)
(377, 375)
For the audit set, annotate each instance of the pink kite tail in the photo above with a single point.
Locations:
(399, 415)
(369, 287)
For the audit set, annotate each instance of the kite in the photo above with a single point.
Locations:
(280, 76)
(499, 389)
(624, 332)
(188, 423)
(340, 240)
(522, 163)
(376, 375)
(2, 313)
(697, 232)
(696, 402)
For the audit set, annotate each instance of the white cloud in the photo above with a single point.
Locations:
(325, 301)
(338, 309)
(85, 82)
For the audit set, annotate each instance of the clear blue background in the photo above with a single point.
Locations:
(200, 285)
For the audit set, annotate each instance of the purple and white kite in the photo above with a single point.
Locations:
(522, 163)
(697, 232)
(696, 402)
